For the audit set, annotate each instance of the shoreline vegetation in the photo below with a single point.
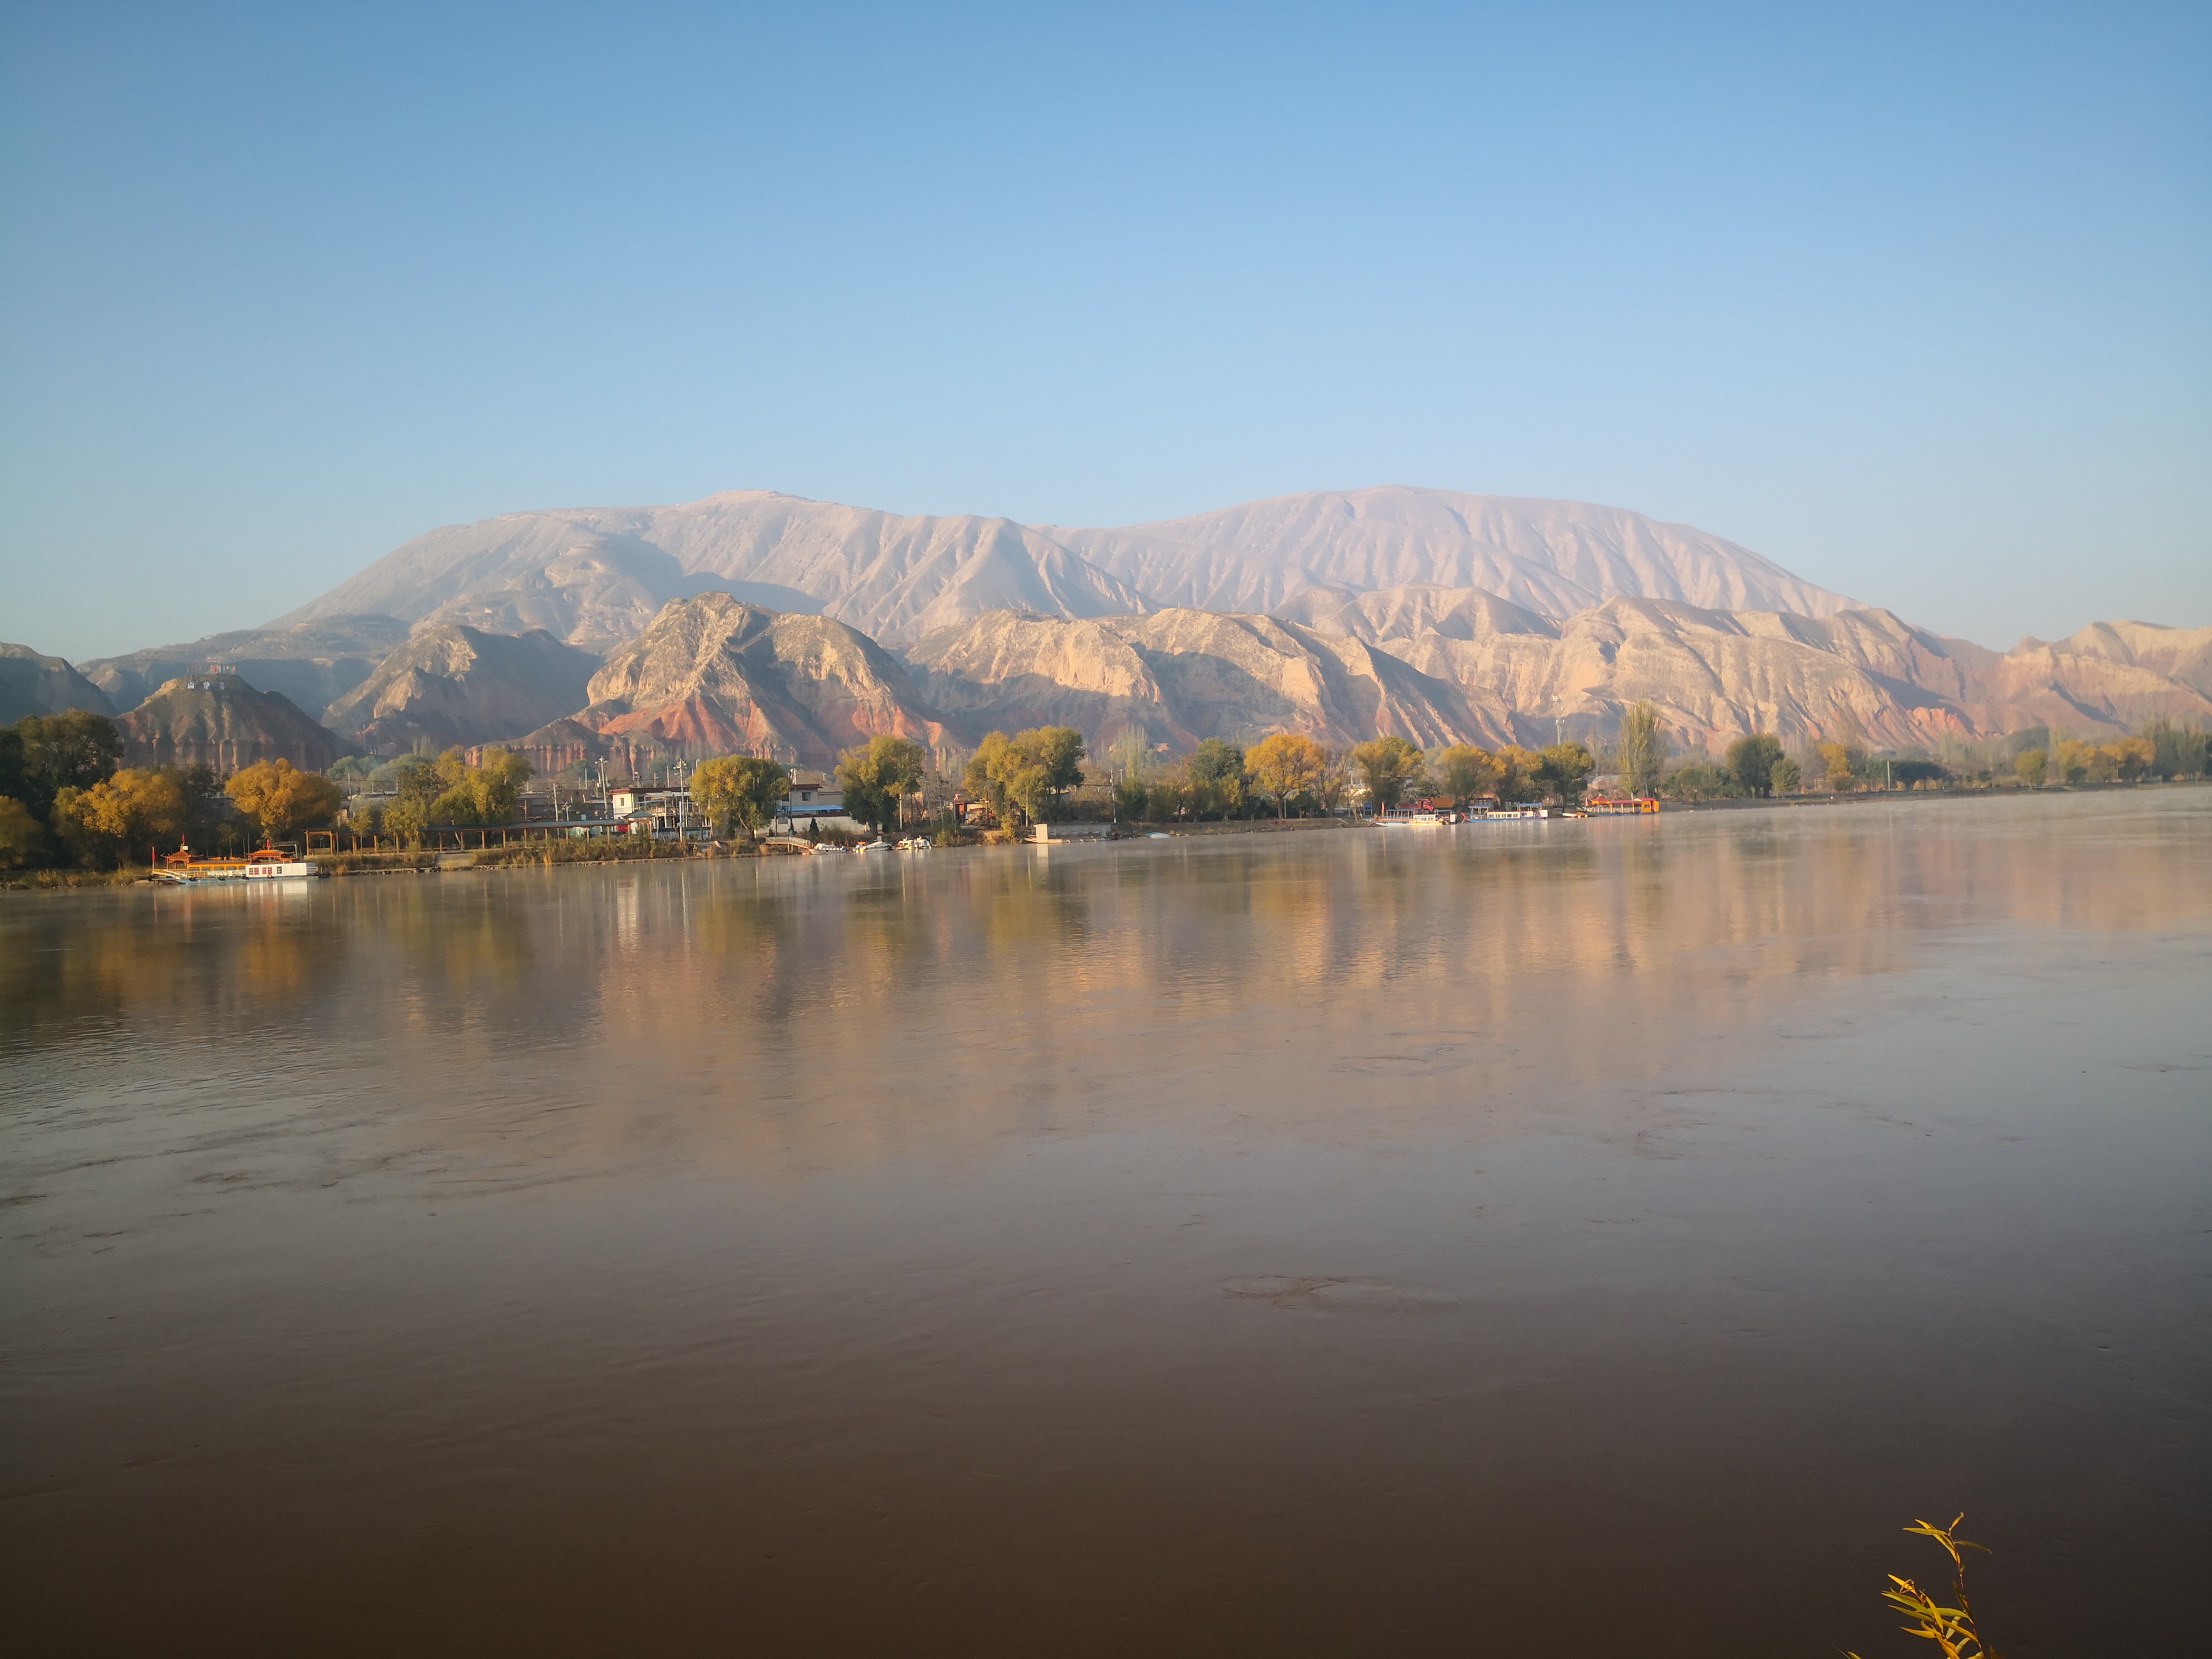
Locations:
(548, 853)
(72, 817)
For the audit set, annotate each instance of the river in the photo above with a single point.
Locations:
(1539, 1238)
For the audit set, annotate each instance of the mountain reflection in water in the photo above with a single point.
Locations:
(1525, 1238)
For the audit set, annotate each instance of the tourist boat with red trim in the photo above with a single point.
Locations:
(187, 868)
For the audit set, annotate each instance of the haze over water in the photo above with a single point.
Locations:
(1522, 1239)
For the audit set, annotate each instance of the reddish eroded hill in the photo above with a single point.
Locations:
(713, 675)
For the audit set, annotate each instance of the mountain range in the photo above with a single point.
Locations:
(753, 619)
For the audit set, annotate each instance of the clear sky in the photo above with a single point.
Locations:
(1915, 299)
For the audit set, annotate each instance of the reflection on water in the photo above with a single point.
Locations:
(1313, 1241)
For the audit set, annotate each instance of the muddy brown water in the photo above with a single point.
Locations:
(1555, 1238)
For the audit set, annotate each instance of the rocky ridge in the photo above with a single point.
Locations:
(714, 675)
(451, 685)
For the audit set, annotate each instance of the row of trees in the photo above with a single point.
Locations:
(65, 800)
(1292, 773)
(741, 792)
(446, 789)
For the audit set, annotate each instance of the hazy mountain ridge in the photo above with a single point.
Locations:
(32, 682)
(1009, 625)
(1554, 558)
(451, 685)
(312, 664)
(595, 576)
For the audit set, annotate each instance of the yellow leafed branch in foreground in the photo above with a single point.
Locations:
(1952, 1629)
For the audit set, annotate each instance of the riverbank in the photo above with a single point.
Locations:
(636, 850)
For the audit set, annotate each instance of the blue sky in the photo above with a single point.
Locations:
(1916, 300)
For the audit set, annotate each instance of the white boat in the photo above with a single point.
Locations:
(1498, 812)
(185, 869)
(878, 845)
(914, 844)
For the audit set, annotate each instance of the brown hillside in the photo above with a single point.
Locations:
(1178, 675)
(455, 685)
(218, 721)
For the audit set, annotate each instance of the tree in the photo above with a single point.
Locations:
(1565, 768)
(734, 790)
(1700, 782)
(415, 786)
(1388, 767)
(124, 812)
(1518, 773)
(876, 775)
(11, 765)
(23, 837)
(1286, 764)
(1751, 760)
(1785, 777)
(281, 799)
(2031, 764)
(1642, 748)
(1334, 779)
(73, 749)
(1216, 772)
(2136, 756)
(1022, 775)
(1465, 771)
(1838, 764)
(484, 793)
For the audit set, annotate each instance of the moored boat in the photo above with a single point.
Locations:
(186, 868)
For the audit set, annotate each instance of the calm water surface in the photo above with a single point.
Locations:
(1546, 1238)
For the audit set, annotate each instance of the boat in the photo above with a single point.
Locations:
(878, 845)
(914, 844)
(186, 868)
(1600, 806)
(1497, 813)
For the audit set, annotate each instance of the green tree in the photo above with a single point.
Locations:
(1565, 769)
(415, 786)
(1023, 776)
(1642, 748)
(1465, 771)
(1699, 781)
(484, 793)
(1785, 777)
(11, 765)
(1284, 764)
(23, 837)
(876, 775)
(281, 799)
(1390, 768)
(1215, 771)
(1519, 774)
(738, 790)
(2031, 764)
(73, 749)
(1751, 760)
